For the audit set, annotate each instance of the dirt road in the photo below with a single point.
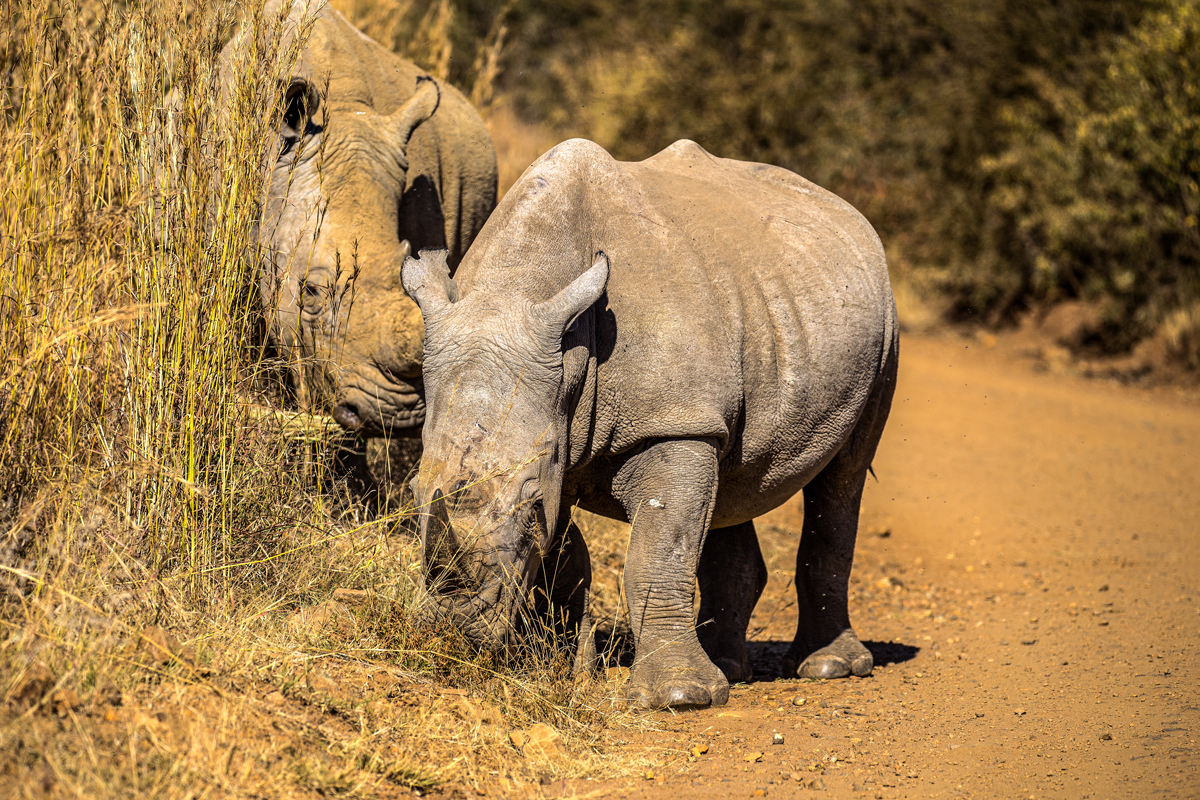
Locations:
(1028, 578)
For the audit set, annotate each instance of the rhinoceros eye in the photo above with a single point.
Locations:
(311, 294)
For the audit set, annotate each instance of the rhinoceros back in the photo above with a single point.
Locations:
(745, 304)
(789, 291)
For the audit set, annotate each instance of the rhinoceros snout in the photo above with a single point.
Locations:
(346, 415)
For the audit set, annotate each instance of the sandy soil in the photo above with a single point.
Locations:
(1028, 578)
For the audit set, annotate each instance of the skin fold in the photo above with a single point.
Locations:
(683, 343)
(374, 160)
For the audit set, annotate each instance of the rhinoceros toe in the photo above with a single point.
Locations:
(846, 656)
(824, 665)
(678, 692)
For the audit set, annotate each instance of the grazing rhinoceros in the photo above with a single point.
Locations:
(683, 343)
(374, 160)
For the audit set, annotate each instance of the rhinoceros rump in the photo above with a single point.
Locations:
(734, 342)
(374, 160)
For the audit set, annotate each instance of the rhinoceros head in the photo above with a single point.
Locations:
(332, 254)
(495, 442)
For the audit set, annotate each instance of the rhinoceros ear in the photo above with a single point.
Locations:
(427, 281)
(579, 295)
(418, 108)
(300, 103)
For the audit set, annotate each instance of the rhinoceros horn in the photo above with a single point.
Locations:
(441, 547)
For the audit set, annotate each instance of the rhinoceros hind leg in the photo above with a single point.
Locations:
(731, 575)
(825, 645)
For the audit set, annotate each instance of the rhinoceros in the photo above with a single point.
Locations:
(374, 160)
(683, 343)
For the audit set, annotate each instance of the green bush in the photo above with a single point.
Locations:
(1096, 195)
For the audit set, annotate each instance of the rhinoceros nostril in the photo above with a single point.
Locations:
(347, 416)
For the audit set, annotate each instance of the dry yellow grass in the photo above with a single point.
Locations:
(176, 545)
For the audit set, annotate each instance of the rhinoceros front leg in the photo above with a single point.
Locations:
(732, 575)
(668, 490)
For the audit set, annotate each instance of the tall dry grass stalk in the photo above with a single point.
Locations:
(127, 233)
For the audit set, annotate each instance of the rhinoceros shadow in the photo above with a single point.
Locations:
(616, 649)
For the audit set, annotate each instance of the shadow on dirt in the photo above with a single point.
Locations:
(886, 653)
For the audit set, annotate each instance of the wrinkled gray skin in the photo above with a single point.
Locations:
(374, 161)
(734, 343)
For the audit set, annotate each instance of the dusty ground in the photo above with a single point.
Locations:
(1028, 578)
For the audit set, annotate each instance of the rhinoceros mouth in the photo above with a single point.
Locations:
(380, 409)
(486, 624)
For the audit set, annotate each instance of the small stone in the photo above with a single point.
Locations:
(64, 701)
(1029, 641)
(753, 758)
(699, 750)
(649, 775)
(32, 686)
(978, 714)
(798, 701)
(518, 739)
(1106, 737)
(354, 598)
(157, 646)
(817, 785)
(796, 776)
(759, 793)
(1103, 588)
(777, 739)
(543, 742)
(1020, 712)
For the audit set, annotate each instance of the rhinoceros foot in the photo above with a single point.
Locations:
(846, 656)
(677, 685)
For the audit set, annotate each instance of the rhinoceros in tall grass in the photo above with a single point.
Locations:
(374, 160)
(683, 343)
